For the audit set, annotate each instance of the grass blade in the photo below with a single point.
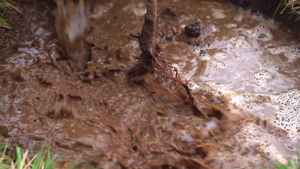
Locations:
(3, 146)
(39, 158)
(4, 5)
(24, 159)
(30, 162)
(48, 160)
(19, 157)
(7, 161)
(55, 161)
(74, 164)
(37, 161)
(1, 163)
(2, 19)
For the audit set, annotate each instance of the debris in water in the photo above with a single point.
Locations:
(193, 30)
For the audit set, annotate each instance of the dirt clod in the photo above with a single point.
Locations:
(193, 30)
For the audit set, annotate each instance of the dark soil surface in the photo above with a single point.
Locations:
(271, 8)
(241, 67)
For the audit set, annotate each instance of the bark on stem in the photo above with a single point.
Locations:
(147, 36)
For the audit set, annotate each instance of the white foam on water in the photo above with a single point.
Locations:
(138, 9)
(291, 52)
(287, 107)
(253, 138)
(231, 25)
(248, 101)
(193, 85)
(219, 55)
(261, 78)
(215, 89)
(235, 55)
(213, 28)
(288, 113)
(239, 17)
(239, 42)
(217, 64)
(201, 54)
(260, 32)
(218, 14)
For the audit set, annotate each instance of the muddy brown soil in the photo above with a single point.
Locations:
(103, 118)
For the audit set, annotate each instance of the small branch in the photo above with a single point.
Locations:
(151, 54)
(147, 37)
(187, 89)
(135, 36)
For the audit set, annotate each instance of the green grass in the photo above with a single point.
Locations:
(293, 6)
(42, 160)
(7, 6)
(4, 23)
(19, 159)
(292, 164)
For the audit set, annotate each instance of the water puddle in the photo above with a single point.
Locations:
(243, 70)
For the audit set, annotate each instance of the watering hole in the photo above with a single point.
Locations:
(243, 70)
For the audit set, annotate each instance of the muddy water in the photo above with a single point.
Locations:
(243, 71)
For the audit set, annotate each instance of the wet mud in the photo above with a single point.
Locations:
(242, 68)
